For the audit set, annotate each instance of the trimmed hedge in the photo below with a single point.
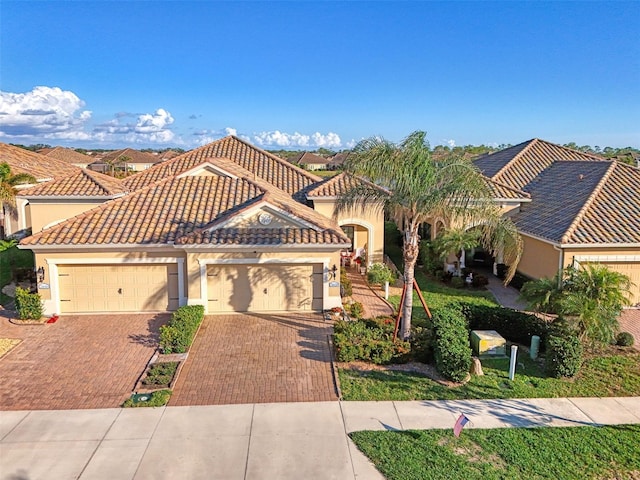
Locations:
(564, 356)
(367, 340)
(451, 347)
(515, 326)
(177, 335)
(28, 305)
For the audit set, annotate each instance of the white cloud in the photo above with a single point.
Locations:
(277, 138)
(207, 136)
(44, 112)
(451, 143)
(149, 128)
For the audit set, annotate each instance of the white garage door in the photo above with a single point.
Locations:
(264, 288)
(118, 288)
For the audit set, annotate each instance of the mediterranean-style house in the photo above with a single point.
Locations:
(68, 155)
(127, 159)
(228, 226)
(235, 228)
(582, 208)
(310, 161)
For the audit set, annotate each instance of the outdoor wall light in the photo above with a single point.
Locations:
(334, 269)
(40, 273)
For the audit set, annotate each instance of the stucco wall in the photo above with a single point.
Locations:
(539, 259)
(44, 214)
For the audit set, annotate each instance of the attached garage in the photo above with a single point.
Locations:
(118, 288)
(264, 288)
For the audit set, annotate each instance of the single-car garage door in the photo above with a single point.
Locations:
(631, 270)
(118, 288)
(264, 288)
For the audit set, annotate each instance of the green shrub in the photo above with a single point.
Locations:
(356, 310)
(564, 356)
(28, 305)
(515, 326)
(451, 347)
(157, 399)
(518, 280)
(480, 280)
(430, 259)
(422, 344)
(160, 374)
(177, 335)
(457, 282)
(367, 340)
(379, 273)
(625, 339)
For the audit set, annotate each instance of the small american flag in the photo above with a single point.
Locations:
(460, 423)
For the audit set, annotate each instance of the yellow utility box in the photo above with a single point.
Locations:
(488, 343)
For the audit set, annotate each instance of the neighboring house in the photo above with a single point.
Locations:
(310, 161)
(125, 160)
(228, 226)
(337, 161)
(67, 155)
(43, 168)
(583, 208)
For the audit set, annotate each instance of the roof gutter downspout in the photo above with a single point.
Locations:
(560, 263)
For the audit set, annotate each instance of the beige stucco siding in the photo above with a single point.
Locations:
(44, 214)
(539, 259)
(369, 218)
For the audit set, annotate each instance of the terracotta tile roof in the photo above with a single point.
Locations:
(84, 183)
(265, 237)
(135, 156)
(502, 191)
(185, 208)
(584, 203)
(41, 167)
(338, 185)
(517, 166)
(308, 158)
(258, 162)
(158, 214)
(66, 155)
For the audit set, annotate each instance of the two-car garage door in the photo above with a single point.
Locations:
(264, 288)
(118, 288)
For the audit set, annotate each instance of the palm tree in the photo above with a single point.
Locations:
(418, 188)
(8, 192)
(456, 240)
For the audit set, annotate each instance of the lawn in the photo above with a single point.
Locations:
(606, 376)
(531, 453)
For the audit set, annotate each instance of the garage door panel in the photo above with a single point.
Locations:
(117, 288)
(262, 288)
(631, 270)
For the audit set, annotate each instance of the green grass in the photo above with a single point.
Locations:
(11, 259)
(158, 399)
(613, 375)
(532, 453)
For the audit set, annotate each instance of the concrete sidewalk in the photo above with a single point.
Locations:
(255, 441)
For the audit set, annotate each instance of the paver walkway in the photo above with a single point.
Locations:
(83, 361)
(252, 358)
(630, 322)
(374, 305)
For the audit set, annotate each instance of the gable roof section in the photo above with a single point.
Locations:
(66, 155)
(158, 214)
(584, 203)
(501, 191)
(259, 163)
(517, 166)
(613, 214)
(84, 183)
(333, 187)
(308, 158)
(41, 167)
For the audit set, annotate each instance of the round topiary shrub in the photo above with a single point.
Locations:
(625, 339)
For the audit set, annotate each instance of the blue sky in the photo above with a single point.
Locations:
(318, 74)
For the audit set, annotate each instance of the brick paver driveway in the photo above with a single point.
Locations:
(630, 322)
(84, 361)
(250, 358)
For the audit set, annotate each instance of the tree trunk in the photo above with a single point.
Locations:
(410, 257)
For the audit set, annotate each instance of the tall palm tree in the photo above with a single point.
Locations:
(8, 192)
(419, 188)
